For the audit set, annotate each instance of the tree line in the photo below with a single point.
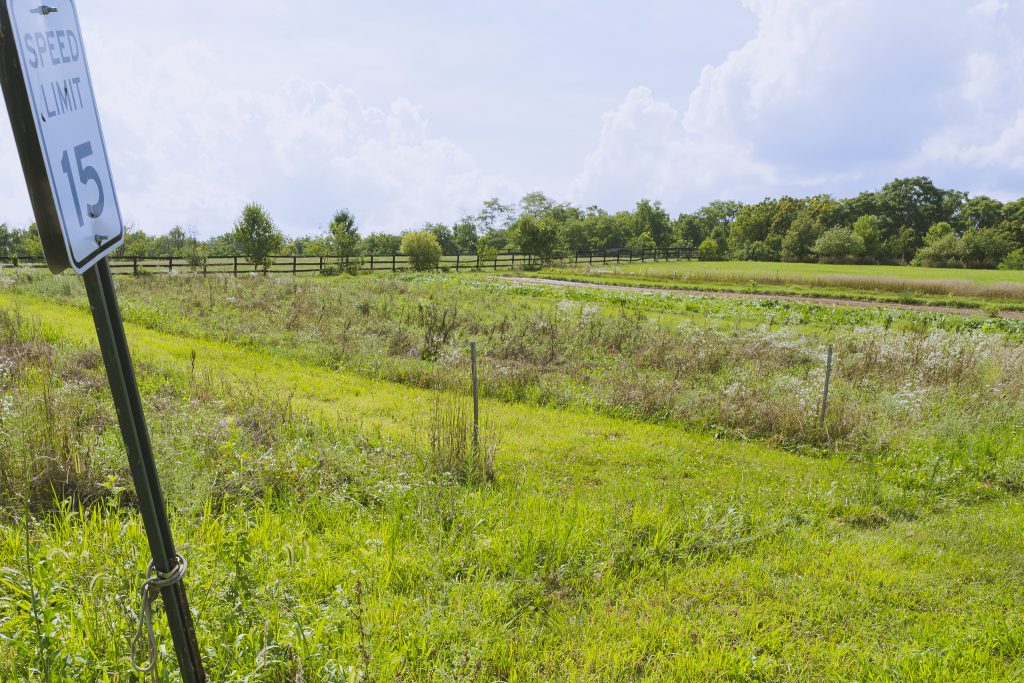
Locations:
(908, 221)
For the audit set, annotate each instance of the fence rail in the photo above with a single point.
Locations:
(393, 263)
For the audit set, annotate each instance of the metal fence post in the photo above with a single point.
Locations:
(828, 379)
(476, 401)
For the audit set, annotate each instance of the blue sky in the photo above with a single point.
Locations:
(411, 111)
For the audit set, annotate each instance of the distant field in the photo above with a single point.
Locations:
(950, 286)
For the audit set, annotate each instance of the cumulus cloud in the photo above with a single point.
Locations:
(188, 147)
(829, 95)
(645, 151)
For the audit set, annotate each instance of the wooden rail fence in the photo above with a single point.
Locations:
(393, 263)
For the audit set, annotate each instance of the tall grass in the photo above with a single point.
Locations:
(453, 450)
(614, 549)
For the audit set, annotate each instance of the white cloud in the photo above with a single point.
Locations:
(991, 6)
(828, 96)
(187, 147)
(644, 151)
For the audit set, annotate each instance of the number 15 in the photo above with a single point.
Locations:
(86, 174)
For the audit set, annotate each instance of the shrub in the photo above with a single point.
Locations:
(838, 245)
(941, 252)
(709, 250)
(422, 248)
(1013, 261)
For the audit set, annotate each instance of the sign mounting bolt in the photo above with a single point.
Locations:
(44, 10)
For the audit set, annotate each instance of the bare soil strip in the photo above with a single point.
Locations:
(824, 301)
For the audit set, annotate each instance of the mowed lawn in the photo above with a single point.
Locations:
(606, 550)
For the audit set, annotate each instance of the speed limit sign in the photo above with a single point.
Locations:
(49, 96)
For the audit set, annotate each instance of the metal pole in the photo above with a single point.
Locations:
(99, 285)
(828, 379)
(476, 400)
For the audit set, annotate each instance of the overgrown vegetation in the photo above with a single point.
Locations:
(314, 441)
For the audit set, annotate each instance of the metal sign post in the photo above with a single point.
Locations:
(46, 85)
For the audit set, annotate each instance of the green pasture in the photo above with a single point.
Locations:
(810, 271)
(963, 288)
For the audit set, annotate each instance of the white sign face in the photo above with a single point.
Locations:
(49, 42)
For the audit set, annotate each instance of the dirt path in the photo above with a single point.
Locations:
(824, 301)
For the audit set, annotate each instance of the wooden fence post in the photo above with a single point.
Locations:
(135, 265)
(170, 264)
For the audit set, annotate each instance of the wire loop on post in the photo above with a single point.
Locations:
(149, 592)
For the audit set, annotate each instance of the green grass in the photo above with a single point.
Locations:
(965, 288)
(813, 270)
(323, 543)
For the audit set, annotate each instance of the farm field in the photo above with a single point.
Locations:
(960, 287)
(662, 505)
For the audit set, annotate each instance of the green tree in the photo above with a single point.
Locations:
(650, 218)
(979, 213)
(222, 245)
(915, 203)
(757, 233)
(343, 234)
(642, 242)
(985, 247)
(9, 239)
(422, 248)
(803, 232)
(535, 204)
(465, 236)
(493, 222)
(537, 237)
(1013, 221)
(172, 243)
(29, 243)
(869, 229)
(605, 231)
(382, 244)
(899, 246)
(444, 236)
(256, 236)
